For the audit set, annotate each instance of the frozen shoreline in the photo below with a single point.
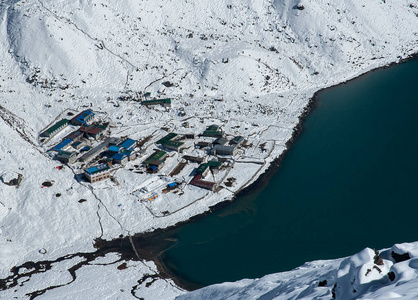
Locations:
(78, 63)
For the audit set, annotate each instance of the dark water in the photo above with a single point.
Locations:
(348, 182)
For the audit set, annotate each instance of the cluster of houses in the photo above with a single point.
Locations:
(85, 120)
(116, 150)
(173, 141)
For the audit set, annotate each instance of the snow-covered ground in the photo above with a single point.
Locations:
(390, 274)
(250, 66)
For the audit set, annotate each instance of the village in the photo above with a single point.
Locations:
(171, 164)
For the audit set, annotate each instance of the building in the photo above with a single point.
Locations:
(61, 146)
(238, 140)
(92, 153)
(197, 181)
(170, 143)
(77, 145)
(155, 161)
(75, 135)
(121, 158)
(174, 145)
(128, 144)
(214, 164)
(54, 129)
(97, 173)
(194, 158)
(213, 131)
(66, 157)
(224, 150)
(162, 102)
(220, 141)
(113, 141)
(86, 117)
(202, 144)
(115, 149)
(203, 169)
(93, 132)
(169, 137)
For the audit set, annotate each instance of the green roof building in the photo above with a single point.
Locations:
(203, 169)
(162, 102)
(54, 129)
(168, 142)
(66, 157)
(167, 138)
(157, 158)
(213, 131)
(214, 164)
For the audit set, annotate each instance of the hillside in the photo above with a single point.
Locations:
(388, 274)
(248, 66)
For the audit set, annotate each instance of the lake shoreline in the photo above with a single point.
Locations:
(145, 246)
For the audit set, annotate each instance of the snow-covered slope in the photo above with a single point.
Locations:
(264, 59)
(390, 274)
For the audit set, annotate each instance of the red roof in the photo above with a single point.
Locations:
(91, 130)
(197, 181)
(73, 135)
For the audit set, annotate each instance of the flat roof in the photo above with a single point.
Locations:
(221, 141)
(156, 156)
(173, 143)
(120, 156)
(214, 163)
(114, 148)
(65, 154)
(83, 116)
(92, 130)
(167, 138)
(157, 101)
(127, 143)
(62, 144)
(238, 139)
(202, 168)
(57, 125)
(213, 127)
(74, 134)
(94, 151)
(96, 169)
(197, 181)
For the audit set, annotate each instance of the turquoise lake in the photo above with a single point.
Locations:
(348, 182)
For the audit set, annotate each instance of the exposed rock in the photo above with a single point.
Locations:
(11, 178)
(378, 259)
(400, 257)
(333, 291)
(391, 275)
(322, 283)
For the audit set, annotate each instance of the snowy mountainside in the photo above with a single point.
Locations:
(390, 274)
(263, 59)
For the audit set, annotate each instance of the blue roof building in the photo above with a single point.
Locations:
(97, 173)
(96, 169)
(128, 144)
(121, 158)
(62, 145)
(115, 149)
(84, 118)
